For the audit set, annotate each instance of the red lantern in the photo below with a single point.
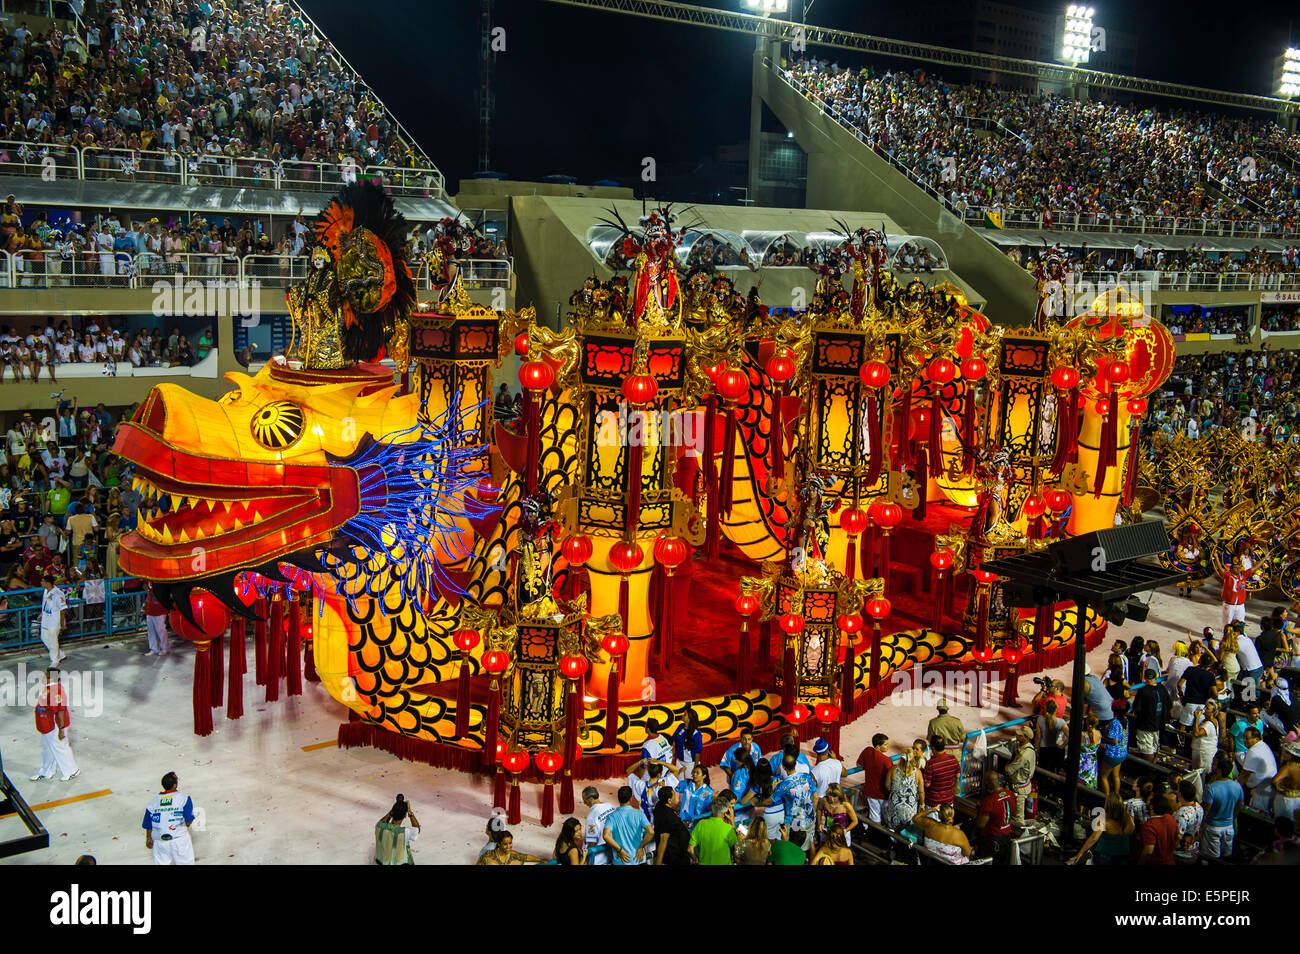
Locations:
(516, 761)
(1058, 501)
(984, 576)
(573, 667)
(715, 370)
(854, 521)
(941, 559)
(495, 661)
(548, 763)
(625, 556)
(616, 644)
(874, 374)
(972, 369)
(878, 607)
(886, 513)
(826, 712)
(1137, 406)
(941, 371)
(965, 345)
(799, 714)
(1117, 372)
(747, 604)
(1102, 407)
(780, 367)
(1065, 377)
(671, 551)
(521, 343)
(1034, 506)
(577, 549)
(791, 623)
(1012, 652)
(733, 385)
(536, 375)
(211, 618)
(850, 623)
(465, 639)
(639, 389)
(488, 493)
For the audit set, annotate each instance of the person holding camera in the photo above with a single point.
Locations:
(395, 833)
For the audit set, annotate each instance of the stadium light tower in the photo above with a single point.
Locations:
(1076, 43)
(1289, 84)
(768, 7)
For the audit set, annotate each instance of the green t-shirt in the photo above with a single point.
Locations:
(712, 839)
(787, 853)
(59, 498)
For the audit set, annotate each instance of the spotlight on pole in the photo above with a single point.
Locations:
(1289, 84)
(768, 7)
(1076, 35)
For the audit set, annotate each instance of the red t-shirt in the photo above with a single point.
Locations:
(50, 702)
(1161, 832)
(875, 765)
(998, 807)
(152, 606)
(940, 775)
(1234, 589)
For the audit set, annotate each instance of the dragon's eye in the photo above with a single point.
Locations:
(278, 425)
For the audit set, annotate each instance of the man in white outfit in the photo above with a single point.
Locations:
(598, 813)
(167, 823)
(52, 724)
(53, 603)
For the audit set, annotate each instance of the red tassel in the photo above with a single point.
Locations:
(788, 694)
(566, 792)
(490, 727)
(867, 550)
(876, 457)
(295, 649)
(1042, 620)
(1106, 450)
(1010, 686)
(765, 646)
(727, 488)
(905, 426)
(548, 803)
(634, 465)
(884, 573)
(936, 619)
(850, 553)
(624, 605)
(309, 661)
(202, 689)
(572, 712)
(936, 437)
(848, 681)
(982, 620)
(235, 691)
(922, 481)
(1131, 466)
(713, 530)
(218, 651)
(499, 788)
(259, 643)
(274, 650)
(873, 677)
(667, 603)
(533, 415)
(462, 697)
(775, 440)
(611, 707)
(970, 440)
(742, 657)
(513, 815)
(1066, 432)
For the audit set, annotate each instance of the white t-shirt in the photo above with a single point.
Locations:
(594, 830)
(826, 773)
(52, 603)
(1259, 766)
(1247, 654)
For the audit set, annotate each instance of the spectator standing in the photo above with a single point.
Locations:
(1020, 772)
(593, 835)
(1159, 836)
(53, 606)
(994, 817)
(671, 833)
(167, 823)
(1258, 768)
(827, 769)
(155, 615)
(1223, 797)
(948, 728)
(940, 774)
(1151, 710)
(52, 724)
(713, 838)
(876, 766)
(628, 832)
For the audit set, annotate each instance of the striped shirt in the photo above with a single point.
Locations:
(940, 775)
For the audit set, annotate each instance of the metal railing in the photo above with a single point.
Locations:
(49, 269)
(108, 614)
(1195, 281)
(18, 158)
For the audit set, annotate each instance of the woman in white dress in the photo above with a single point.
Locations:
(1205, 736)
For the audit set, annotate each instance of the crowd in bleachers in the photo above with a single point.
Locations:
(27, 350)
(1279, 318)
(1195, 319)
(915, 257)
(234, 87)
(1146, 257)
(1226, 389)
(986, 148)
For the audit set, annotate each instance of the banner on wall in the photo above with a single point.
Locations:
(1279, 298)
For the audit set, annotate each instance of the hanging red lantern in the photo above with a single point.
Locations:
(495, 661)
(573, 667)
(878, 607)
(825, 712)
(874, 374)
(465, 639)
(984, 576)
(1034, 506)
(521, 343)
(1058, 501)
(625, 556)
(536, 375)
(1102, 407)
(850, 623)
(972, 369)
(639, 389)
(211, 618)
(616, 644)
(941, 559)
(714, 370)
(1137, 406)
(548, 763)
(577, 549)
(1012, 652)
(886, 514)
(799, 714)
(1065, 377)
(854, 521)
(941, 371)
(733, 385)
(1117, 372)
(780, 367)
(515, 761)
(671, 551)
(791, 623)
(747, 604)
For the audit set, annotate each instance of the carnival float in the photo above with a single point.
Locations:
(761, 516)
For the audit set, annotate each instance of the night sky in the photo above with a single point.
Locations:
(588, 93)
